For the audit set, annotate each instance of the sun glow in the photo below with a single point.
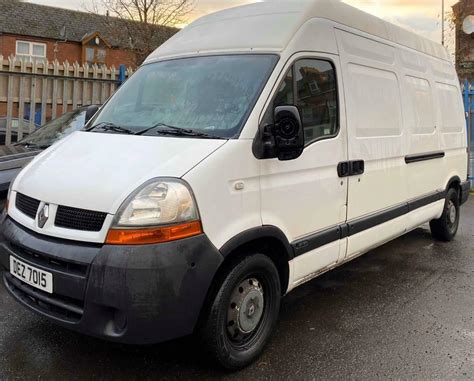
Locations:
(419, 16)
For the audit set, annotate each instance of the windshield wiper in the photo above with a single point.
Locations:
(142, 132)
(107, 126)
(165, 129)
(32, 145)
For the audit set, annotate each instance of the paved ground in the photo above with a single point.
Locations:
(402, 311)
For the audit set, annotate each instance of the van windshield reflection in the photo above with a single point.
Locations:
(202, 97)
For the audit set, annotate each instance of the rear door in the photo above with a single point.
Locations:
(305, 197)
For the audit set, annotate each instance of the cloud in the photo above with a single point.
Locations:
(385, 7)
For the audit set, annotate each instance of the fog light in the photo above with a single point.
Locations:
(120, 321)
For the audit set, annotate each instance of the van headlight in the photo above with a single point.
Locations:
(161, 210)
(9, 194)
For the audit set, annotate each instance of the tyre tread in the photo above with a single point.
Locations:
(209, 332)
(439, 227)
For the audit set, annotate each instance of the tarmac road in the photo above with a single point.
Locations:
(404, 310)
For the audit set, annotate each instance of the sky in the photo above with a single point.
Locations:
(420, 16)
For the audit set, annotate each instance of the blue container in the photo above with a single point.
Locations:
(472, 172)
(471, 161)
(468, 98)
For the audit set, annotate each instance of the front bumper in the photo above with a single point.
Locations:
(129, 294)
(465, 190)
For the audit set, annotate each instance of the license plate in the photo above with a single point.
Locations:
(31, 275)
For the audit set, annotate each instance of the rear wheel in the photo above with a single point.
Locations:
(243, 313)
(446, 227)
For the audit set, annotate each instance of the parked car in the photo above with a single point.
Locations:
(15, 156)
(253, 151)
(14, 129)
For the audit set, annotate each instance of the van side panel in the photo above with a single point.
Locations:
(227, 191)
(420, 118)
(375, 124)
(404, 118)
(433, 113)
(453, 136)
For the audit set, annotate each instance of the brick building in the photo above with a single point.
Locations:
(38, 32)
(464, 42)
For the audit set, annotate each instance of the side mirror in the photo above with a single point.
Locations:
(288, 132)
(90, 112)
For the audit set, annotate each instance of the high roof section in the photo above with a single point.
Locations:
(270, 26)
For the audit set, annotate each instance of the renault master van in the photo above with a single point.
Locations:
(258, 148)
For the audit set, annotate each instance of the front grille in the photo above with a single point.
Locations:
(56, 306)
(27, 205)
(48, 262)
(79, 219)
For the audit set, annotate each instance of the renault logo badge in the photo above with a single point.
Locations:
(43, 215)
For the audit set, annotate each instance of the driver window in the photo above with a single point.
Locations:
(285, 94)
(310, 85)
(316, 98)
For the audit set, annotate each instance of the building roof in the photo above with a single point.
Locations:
(272, 25)
(463, 6)
(28, 19)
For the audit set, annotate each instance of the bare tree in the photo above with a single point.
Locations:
(146, 24)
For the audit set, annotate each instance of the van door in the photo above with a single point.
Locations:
(305, 197)
(377, 192)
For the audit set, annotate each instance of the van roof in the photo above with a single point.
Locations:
(270, 26)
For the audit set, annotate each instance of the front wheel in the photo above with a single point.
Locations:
(243, 313)
(446, 227)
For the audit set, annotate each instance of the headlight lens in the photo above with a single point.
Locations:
(159, 202)
(7, 201)
(162, 210)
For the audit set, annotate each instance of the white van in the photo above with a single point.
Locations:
(258, 148)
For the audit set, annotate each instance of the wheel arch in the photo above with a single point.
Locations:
(455, 183)
(256, 234)
(268, 240)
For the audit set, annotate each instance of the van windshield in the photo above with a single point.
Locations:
(208, 96)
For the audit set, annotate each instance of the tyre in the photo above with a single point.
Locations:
(243, 313)
(446, 227)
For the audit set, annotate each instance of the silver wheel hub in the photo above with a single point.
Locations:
(245, 309)
(452, 212)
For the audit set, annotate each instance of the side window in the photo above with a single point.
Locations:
(316, 98)
(285, 95)
(311, 85)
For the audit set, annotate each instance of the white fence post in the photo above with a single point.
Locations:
(8, 130)
(44, 92)
(21, 100)
(54, 100)
(33, 98)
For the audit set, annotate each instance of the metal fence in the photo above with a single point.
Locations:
(32, 93)
(468, 97)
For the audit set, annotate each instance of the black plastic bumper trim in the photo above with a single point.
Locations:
(29, 291)
(131, 294)
(424, 157)
(261, 232)
(366, 223)
(315, 241)
(321, 239)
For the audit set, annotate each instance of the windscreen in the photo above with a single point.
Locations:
(212, 95)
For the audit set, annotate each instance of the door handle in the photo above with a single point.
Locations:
(343, 169)
(357, 167)
(351, 168)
